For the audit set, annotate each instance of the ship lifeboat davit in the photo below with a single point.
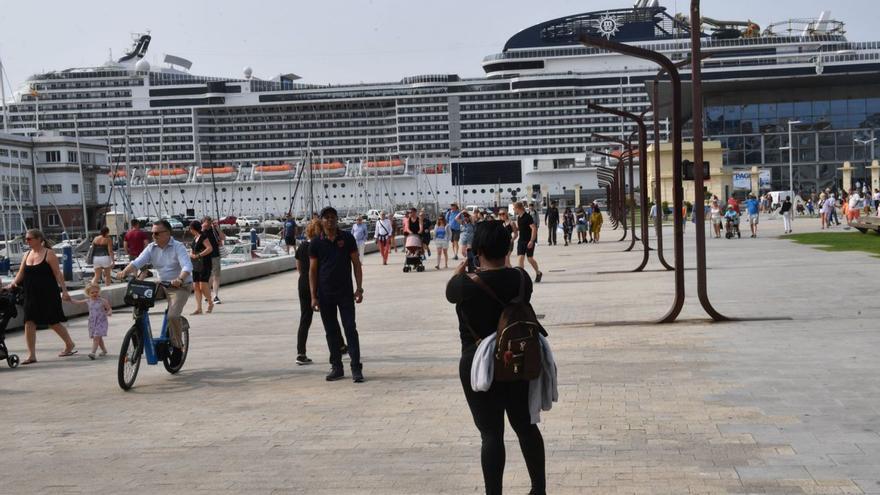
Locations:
(216, 174)
(386, 167)
(118, 177)
(333, 169)
(274, 172)
(167, 175)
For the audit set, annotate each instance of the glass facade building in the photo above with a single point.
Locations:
(836, 124)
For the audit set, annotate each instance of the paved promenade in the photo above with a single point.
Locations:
(763, 406)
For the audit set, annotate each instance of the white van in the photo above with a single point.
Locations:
(777, 197)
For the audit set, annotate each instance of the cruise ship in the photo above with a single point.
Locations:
(186, 144)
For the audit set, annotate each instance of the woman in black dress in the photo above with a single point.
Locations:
(40, 278)
(200, 254)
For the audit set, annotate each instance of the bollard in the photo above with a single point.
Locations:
(68, 263)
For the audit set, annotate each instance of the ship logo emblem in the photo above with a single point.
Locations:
(608, 26)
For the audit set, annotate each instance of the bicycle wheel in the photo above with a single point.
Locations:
(130, 357)
(175, 357)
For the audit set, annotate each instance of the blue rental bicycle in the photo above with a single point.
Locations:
(139, 341)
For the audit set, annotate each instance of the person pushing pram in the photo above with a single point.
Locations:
(413, 228)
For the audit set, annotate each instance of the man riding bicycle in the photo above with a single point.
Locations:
(172, 263)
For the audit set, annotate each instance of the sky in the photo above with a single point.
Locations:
(329, 41)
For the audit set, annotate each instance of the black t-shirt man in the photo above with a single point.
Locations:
(552, 216)
(215, 243)
(334, 263)
(524, 222)
(482, 311)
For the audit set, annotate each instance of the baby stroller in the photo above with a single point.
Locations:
(731, 226)
(413, 254)
(9, 298)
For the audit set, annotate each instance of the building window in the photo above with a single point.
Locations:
(53, 156)
(102, 189)
(71, 156)
(52, 220)
(50, 188)
(74, 188)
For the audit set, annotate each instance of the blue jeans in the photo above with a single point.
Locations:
(345, 304)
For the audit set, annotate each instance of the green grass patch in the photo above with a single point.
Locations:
(840, 241)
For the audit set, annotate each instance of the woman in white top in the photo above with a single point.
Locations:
(384, 236)
(715, 215)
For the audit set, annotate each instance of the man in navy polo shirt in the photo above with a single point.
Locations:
(332, 255)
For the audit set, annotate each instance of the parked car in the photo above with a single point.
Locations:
(271, 224)
(174, 222)
(400, 215)
(229, 220)
(248, 222)
(373, 215)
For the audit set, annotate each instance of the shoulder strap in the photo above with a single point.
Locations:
(488, 290)
(522, 284)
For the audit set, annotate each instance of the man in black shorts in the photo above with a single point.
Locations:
(528, 234)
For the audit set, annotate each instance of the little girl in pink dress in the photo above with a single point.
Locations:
(99, 310)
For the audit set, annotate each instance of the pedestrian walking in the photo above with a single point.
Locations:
(715, 216)
(135, 240)
(786, 212)
(551, 218)
(853, 211)
(332, 257)
(102, 257)
(752, 206)
(467, 237)
(40, 277)
(383, 236)
(427, 225)
(567, 226)
(217, 238)
(528, 234)
(200, 256)
(99, 311)
(581, 219)
(289, 233)
(313, 229)
(595, 223)
(478, 315)
(441, 242)
(454, 228)
(359, 231)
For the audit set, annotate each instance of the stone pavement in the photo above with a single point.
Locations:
(764, 406)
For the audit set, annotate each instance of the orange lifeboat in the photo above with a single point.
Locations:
(118, 177)
(331, 169)
(216, 173)
(432, 169)
(156, 175)
(274, 172)
(385, 167)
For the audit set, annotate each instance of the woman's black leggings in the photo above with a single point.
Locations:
(305, 318)
(488, 410)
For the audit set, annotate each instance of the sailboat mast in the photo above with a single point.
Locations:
(82, 182)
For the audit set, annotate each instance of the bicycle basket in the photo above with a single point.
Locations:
(141, 293)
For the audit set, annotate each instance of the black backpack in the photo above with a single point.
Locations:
(517, 347)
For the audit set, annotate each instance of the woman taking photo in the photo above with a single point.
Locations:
(102, 257)
(200, 253)
(479, 313)
(441, 240)
(42, 282)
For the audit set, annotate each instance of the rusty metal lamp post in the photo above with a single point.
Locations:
(643, 174)
(613, 193)
(627, 154)
(619, 188)
(677, 191)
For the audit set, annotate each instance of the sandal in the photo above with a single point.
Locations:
(68, 353)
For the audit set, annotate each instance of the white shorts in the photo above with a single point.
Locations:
(102, 262)
(441, 243)
(753, 219)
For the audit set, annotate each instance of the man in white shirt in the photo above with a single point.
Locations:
(172, 264)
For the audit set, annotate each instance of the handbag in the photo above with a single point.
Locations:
(198, 265)
(90, 255)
